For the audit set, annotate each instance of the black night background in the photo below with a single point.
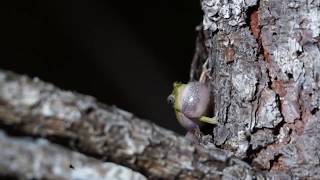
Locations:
(124, 53)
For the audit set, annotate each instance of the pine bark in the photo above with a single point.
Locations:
(265, 64)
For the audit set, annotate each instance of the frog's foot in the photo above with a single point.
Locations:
(205, 74)
(194, 135)
(208, 120)
(190, 136)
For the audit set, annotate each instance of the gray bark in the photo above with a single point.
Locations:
(39, 109)
(264, 59)
(40, 159)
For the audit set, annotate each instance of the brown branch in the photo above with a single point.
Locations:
(40, 159)
(40, 109)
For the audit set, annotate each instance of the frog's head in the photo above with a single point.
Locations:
(175, 97)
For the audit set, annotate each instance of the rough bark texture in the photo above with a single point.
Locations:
(265, 64)
(28, 159)
(264, 60)
(39, 109)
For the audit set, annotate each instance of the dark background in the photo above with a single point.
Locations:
(126, 53)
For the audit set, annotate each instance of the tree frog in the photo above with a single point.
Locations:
(191, 103)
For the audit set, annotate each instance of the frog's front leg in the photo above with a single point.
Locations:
(186, 122)
(189, 125)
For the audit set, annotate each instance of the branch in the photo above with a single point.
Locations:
(106, 132)
(27, 159)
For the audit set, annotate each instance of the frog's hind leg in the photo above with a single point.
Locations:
(209, 120)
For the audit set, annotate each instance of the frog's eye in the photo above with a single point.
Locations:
(170, 99)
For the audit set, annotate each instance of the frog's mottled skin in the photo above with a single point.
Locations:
(191, 102)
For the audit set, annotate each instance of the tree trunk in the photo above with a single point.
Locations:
(265, 64)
